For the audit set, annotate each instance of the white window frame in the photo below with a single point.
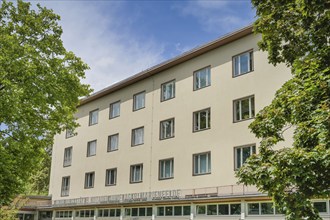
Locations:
(114, 109)
(65, 187)
(237, 60)
(162, 168)
(109, 173)
(204, 72)
(164, 129)
(111, 146)
(251, 100)
(168, 90)
(134, 178)
(134, 139)
(139, 101)
(229, 209)
(93, 117)
(207, 165)
(240, 149)
(89, 146)
(197, 119)
(67, 160)
(260, 209)
(326, 205)
(89, 180)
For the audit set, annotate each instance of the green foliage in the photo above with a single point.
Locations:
(10, 212)
(39, 91)
(38, 183)
(296, 33)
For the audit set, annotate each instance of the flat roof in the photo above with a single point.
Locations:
(228, 38)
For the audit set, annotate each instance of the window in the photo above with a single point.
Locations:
(65, 189)
(138, 211)
(67, 156)
(137, 136)
(173, 210)
(212, 209)
(113, 142)
(91, 148)
(63, 214)
(136, 173)
(244, 109)
(93, 117)
(111, 177)
(200, 209)
(167, 129)
(139, 101)
(202, 78)
(219, 209)
(85, 213)
(89, 180)
(321, 207)
(166, 168)
(229, 209)
(262, 208)
(109, 213)
(168, 90)
(202, 163)
(69, 133)
(202, 119)
(114, 110)
(242, 63)
(242, 153)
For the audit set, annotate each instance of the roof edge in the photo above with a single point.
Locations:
(228, 38)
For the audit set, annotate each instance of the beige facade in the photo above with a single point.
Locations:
(181, 131)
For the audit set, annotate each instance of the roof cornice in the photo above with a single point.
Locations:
(170, 63)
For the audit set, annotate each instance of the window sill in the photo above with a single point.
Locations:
(204, 129)
(161, 139)
(243, 120)
(196, 89)
(201, 174)
(242, 74)
(166, 178)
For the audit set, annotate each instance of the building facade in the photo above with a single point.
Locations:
(165, 143)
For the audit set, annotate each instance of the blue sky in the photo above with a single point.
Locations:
(120, 38)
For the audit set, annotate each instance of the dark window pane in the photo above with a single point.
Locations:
(169, 211)
(160, 211)
(223, 209)
(320, 206)
(235, 209)
(177, 210)
(211, 209)
(267, 208)
(135, 211)
(186, 210)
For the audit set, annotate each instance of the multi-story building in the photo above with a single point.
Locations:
(165, 143)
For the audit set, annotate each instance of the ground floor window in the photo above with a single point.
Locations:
(173, 210)
(85, 213)
(321, 206)
(109, 212)
(22, 216)
(262, 208)
(219, 209)
(63, 214)
(138, 211)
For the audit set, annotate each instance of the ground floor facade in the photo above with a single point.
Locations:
(225, 202)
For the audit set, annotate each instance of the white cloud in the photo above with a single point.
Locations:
(218, 15)
(101, 36)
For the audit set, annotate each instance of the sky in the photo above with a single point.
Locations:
(118, 39)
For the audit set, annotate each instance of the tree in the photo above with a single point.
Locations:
(295, 33)
(38, 183)
(39, 91)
